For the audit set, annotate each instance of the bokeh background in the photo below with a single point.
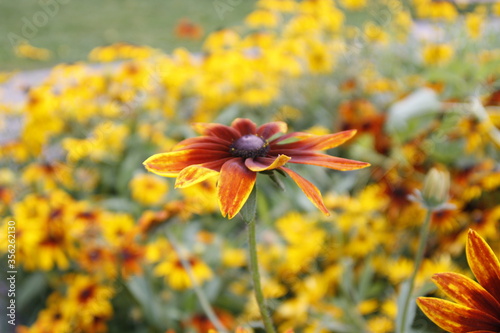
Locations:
(90, 89)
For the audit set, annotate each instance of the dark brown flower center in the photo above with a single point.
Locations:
(249, 146)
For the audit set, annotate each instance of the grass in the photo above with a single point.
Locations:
(71, 28)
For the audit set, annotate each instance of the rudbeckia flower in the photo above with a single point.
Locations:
(477, 307)
(238, 152)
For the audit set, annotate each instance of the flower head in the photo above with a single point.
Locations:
(477, 307)
(238, 152)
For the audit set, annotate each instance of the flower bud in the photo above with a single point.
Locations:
(436, 188)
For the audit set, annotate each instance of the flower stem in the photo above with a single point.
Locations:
(424, 234)
(254, 267)
(202, 298)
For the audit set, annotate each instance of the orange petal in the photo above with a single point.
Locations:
(294, 136)
(266, 131)
(218, 130)
(456, 318)
(170, 164)
(266, 163)
(332, 162)
(192, 175)
(483, 263)
(244, 126)
(235, 184)
(333, 140)
(309, 189)
(467, 292)
(319, 142)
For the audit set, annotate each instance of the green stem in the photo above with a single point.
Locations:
(424, 234)
(202, 298)
(254, 268)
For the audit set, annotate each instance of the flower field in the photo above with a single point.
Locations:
(342, 154)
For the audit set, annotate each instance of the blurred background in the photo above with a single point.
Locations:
(90, 89)
(70, 29)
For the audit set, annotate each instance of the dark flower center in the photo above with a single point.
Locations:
(249, 146)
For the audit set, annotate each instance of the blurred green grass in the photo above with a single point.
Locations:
(76, 27)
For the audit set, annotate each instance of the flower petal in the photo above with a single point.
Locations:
(171, 163)
(207, 146)
(483, 263)
(235, 184)
(467, 292)
(309, 190)
(332, 162)
(244, 126)
(266, 163)
(333, 140)
(456, 318)
(194, 174)
(320, 142)
(221, 131)
(201, 139)
(266, 131)
(296, 136)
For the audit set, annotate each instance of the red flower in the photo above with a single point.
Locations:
(188, 30)
(236, 153)
(477, 307)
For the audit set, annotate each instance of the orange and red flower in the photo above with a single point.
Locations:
(238, 152)
(477, 307)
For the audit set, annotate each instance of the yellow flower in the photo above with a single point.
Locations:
(49, 175)
(87, 300)
(380, 324)
(120, 51)
(156, 250)
(25, 50)
(232, 257)
(474, 24)
(374, 33)
(301, 25)
(117, 227)
(367, 306)
(437, 54)
(97, 260)
(403, 23)
(262, 19)
(176, 275)
(44, 242)
(400, 269)
(148, 189)
(53, 318)
(285, 6)
(437, 10)
(319, 58)
(496, 9)
(106, 142)
(202, 197)
(221, 39)
(353, 4)
(271, 288)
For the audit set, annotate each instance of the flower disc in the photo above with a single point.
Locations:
(249, 146)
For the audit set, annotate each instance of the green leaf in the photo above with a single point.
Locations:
(30, 289)
(141, 290)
